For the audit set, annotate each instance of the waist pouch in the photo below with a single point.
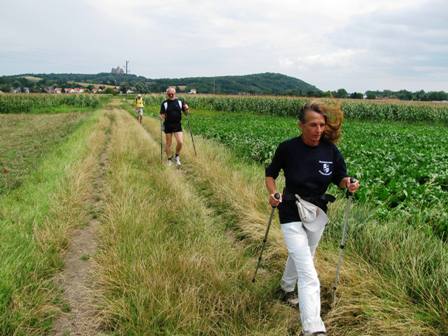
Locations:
(312, 217)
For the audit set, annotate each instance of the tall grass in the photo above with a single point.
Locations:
(415, 261)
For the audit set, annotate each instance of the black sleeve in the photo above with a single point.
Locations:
(276, 165)
(162, 109)
(340, 170)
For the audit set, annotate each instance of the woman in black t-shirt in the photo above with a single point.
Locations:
(310, 163)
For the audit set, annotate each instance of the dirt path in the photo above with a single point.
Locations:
(75, 280)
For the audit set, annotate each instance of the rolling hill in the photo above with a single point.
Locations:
(263, 83)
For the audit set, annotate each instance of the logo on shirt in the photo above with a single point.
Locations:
(325, 167)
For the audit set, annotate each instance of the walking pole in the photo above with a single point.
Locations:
(277, 197)
(349, 196)
(161, 140)
(191, 133)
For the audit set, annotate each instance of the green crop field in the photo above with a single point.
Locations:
(98, 236)
(403, 167)
(46, 103)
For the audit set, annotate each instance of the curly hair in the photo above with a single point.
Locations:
(333, 116)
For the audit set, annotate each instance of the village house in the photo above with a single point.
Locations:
(53, 90)
(74, 90)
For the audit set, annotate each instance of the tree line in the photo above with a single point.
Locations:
(256, 84)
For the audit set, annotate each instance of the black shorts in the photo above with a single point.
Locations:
(172, 128)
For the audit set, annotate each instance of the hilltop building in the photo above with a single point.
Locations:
(118, 70)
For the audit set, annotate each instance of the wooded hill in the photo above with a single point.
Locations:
(264, 83)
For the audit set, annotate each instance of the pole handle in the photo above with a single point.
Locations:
(348, 193)
(277, 196)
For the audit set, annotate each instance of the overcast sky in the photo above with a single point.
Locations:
(356, 45)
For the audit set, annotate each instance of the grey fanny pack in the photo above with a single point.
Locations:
(312, 217)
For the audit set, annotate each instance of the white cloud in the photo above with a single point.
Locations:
(332, 44)
(339, 58)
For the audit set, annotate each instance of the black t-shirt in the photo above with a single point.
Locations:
(308, 172)
(173, 110)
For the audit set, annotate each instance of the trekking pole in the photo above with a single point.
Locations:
(349, 196)
(161, 140)
(277, 197)
(191, 133)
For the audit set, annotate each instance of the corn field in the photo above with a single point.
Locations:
(288, 106)
(21, 103)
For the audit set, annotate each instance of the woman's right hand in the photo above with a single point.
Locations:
(275, 199)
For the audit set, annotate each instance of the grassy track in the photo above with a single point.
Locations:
(36, 220)
(166, 265)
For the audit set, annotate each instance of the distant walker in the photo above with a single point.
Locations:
(139, 104)
(171, 113)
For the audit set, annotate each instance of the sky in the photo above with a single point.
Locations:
(357, 45)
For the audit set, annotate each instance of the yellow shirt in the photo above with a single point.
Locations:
(139, 102)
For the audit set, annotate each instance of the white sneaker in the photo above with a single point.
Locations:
(170, 162)
(177, 161)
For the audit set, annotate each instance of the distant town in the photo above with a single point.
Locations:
(84, 87)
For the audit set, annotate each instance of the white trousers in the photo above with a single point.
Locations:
(302, 244)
